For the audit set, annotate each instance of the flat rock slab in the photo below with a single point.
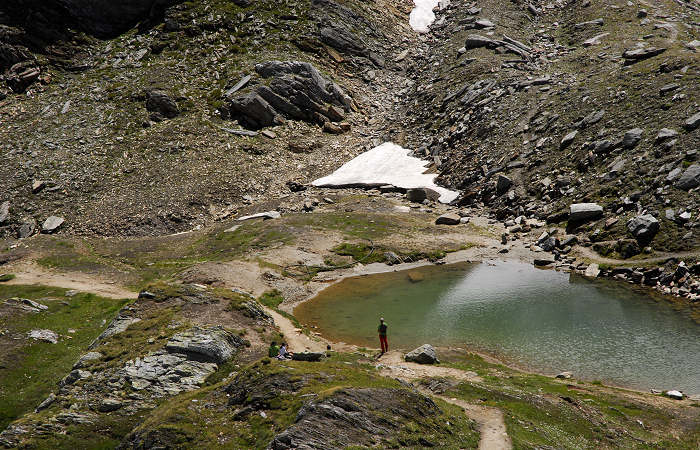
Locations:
(263, 215)
(52, 224)
(44, 335)
(448, 219)
(386, 164)
(579, 212)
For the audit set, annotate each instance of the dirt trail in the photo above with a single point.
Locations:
(32, 274)
(296, 340)
(490, 420)
(587, 252)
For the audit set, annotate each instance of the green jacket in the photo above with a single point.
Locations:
(382, 329)
(273, 351)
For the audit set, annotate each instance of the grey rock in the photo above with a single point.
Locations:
(665, 134)
(643, 227)
(592, 271)
(478, 41)
(74, 376)
(109, 404)
(4, 212)
(86, 358)
(484, 23)
(296, 91)
(632, 138)
(692, 122)
(690, 178)
(52, 224)
(213, 344)
(580, 212)
(425, 354)
(565, 375)
(263, 215)
(419, 195)
(676, 395)
(71, 417)
(161, 104)
(568, 139)
(27, 228)
(118, 325)
(633, 56)
(448, 219)
(675, 173)
(46, 403)
(44, 335)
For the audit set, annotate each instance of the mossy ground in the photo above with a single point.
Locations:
(202, 418)
(30, 370)
(541, 411)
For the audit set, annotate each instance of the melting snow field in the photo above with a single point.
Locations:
(422, 16)
(386, 164)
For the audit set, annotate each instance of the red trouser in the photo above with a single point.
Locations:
(384, 343)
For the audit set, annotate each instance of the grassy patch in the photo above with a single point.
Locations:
(30, 371)
(7, 277)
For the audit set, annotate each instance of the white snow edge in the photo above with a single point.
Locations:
(387, 164)
(422, 15)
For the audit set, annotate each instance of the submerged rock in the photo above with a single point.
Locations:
(425, 354)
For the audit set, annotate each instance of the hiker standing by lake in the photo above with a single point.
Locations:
(382, 335)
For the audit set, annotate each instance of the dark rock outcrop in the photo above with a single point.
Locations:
(355, 417)
(106, 18)
(295, 91)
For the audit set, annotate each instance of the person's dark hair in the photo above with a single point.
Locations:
(283, 344)
(273, 343)
(328, 347)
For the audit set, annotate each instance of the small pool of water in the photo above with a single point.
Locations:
(538, 319)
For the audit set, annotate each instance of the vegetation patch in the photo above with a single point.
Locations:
(30, 370)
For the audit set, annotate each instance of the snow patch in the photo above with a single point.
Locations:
(383, 165)
(422, 15)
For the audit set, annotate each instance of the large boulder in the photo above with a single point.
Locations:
(296, 90)
(503, 183)
(581, 212)
(213, 344)
(643, 227)
(425, 354)
(161, 105)
(419, 195)
(448, 219)
(690, 178)
(52, 224)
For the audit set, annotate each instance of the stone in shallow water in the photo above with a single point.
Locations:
(676, 395)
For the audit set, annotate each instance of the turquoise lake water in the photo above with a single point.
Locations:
(542, 320)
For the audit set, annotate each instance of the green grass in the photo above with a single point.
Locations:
(31, 371)
(7, 277)
(184, 422)
(541, 411)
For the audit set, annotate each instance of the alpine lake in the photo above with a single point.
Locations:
(540, 320)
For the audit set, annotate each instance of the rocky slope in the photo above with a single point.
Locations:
(123, 124)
